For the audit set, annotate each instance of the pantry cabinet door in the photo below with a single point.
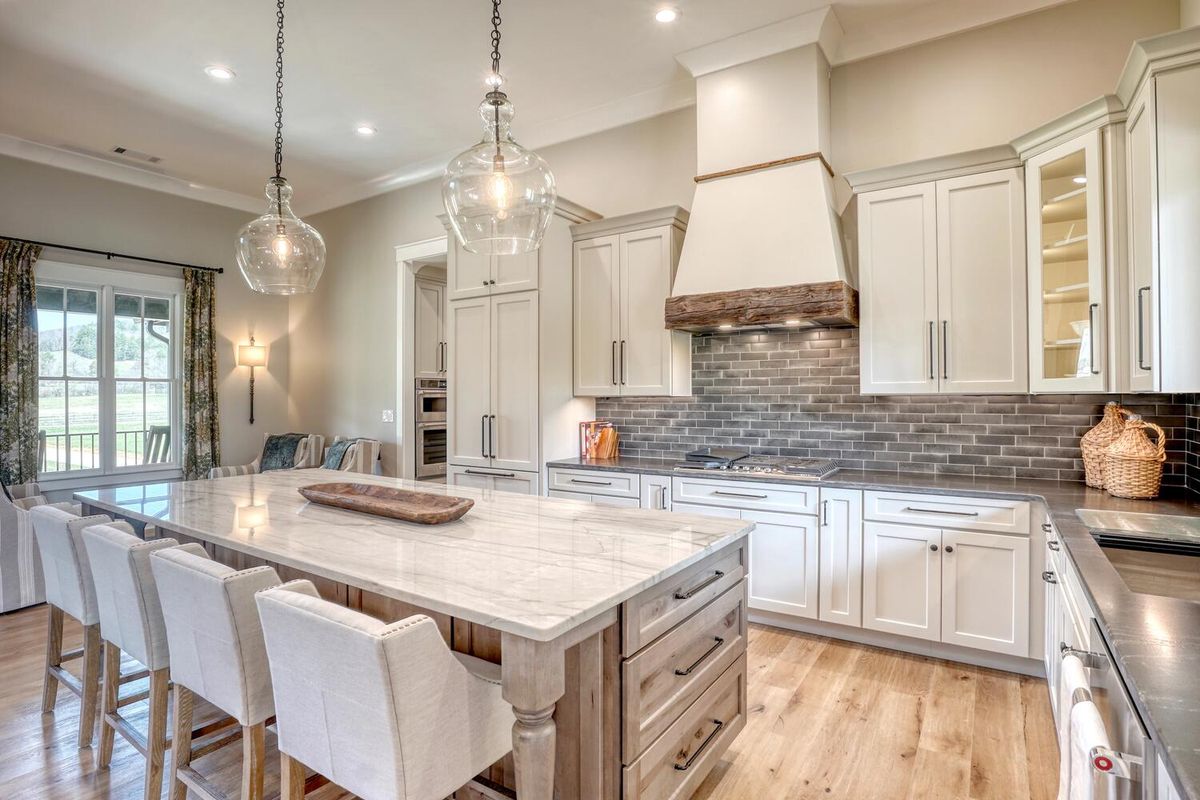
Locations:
(985, 591)
(897, 235)
(840, 550)
(783, 563)
(513, 427)
(428, 355)
(517, 273)
(597, 322)
(644, 349)
(982, 299)
(468, 395)
(902, 578)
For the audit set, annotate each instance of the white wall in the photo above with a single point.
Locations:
(343, 337)
(1189, 13)
(984, 87)
(54, 205)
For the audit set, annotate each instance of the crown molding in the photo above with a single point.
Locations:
(820, 26)
(930, 169)
(123, 173)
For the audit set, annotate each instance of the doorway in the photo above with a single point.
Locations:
(421, 353)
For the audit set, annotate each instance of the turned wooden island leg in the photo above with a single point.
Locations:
(532, 677)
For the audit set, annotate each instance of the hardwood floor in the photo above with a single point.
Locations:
(828, 719)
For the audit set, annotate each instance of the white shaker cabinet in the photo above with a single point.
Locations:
(902, 579)
(985, 591)
(429, 343)
(493, 480)
(840, 556)
(942, 270)
(783, 558)
(469, 396)
(623, 271)
(475, 275)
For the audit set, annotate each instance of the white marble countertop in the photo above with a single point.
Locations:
(535, 567)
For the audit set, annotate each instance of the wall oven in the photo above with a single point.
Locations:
(431, 400)
(431, 450)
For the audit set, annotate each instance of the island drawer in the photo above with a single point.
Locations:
(676, 669)
(613, 484)
(942, 511)
(787, 498)
(663, 606)
(679, 760)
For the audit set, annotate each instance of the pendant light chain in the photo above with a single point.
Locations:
(279, 91)
(496, 37)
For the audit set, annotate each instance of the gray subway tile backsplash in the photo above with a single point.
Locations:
(795, 393)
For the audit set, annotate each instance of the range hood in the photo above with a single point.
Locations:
(763, 246)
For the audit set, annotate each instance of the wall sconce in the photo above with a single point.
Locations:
(251, 355)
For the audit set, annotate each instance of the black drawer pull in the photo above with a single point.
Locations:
(717, 642)
(710, 580)
(940, 511)
(740, 494)
(685, 766)
(591, 483)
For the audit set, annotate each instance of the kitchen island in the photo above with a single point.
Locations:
(568, 597)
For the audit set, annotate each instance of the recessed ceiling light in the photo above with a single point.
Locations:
(365, 130)
(1080, 179)
(219, 73)
(666, 15)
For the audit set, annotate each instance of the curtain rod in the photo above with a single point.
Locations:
(111, 256)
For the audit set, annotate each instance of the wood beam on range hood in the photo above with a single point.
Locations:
(829, 304)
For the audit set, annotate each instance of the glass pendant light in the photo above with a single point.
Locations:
(499, 195)
(278, 252)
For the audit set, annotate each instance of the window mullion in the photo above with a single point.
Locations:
(108, 386)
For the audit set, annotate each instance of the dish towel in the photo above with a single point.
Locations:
(1087, 731)
(1071, 677)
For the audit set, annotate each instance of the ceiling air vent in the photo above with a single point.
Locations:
(136, 155)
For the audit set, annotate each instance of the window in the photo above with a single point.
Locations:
(108, 360)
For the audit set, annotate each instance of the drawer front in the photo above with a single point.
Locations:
(598, 499)
(782, 497)
(670, 674)
(970, 513)
(661, 607)
(613, 484)
(679, 760)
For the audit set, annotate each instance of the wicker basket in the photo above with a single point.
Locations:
(1097, 440)
(1133, 464)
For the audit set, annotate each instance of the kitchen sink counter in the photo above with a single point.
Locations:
(1155, 639)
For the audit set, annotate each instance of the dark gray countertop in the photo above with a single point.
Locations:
(1156, 640)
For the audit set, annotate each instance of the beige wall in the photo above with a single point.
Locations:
(343, 337)
(985, 87)
(49, 204)
(1189, 13)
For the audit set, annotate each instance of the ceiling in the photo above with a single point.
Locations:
(77, 76)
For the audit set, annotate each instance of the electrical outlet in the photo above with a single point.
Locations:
(389, 415)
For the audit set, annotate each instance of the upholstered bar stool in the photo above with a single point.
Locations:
(131, 621)
(385, 711)
(69, 592)
(217, 652)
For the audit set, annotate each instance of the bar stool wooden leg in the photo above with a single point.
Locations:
(181, 740)
(291, 778)
(91, 684)
(156, 735)
(112, 683)
(54, 636)
(253, 755)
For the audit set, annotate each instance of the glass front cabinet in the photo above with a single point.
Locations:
(1065, 189)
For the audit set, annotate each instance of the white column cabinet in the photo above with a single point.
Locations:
(942, 269)
(429, 341)
(469, 389)
(623, 271)
(840, 556)
(985, 591)
(783, 558)
(902, 579)
(513, 420)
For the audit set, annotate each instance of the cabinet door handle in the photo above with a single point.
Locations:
(939, 511)
(1048, 577)
(445, 356)
(1053, 545)
(1141, 334)
(717, 642)
(824, 513)
(490, 474)
(685, 766)
(1092, 337)
(492, 436)
(614, 362)
(622, 362)
(483, 436)
(662, 498)
(949, 548)
(690, 593)
(945, 350)
(932, 353)
(591, 483)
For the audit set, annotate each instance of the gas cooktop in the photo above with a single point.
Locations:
(775, 466)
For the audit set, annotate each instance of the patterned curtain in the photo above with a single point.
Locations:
(18, 362)
(201, 428)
